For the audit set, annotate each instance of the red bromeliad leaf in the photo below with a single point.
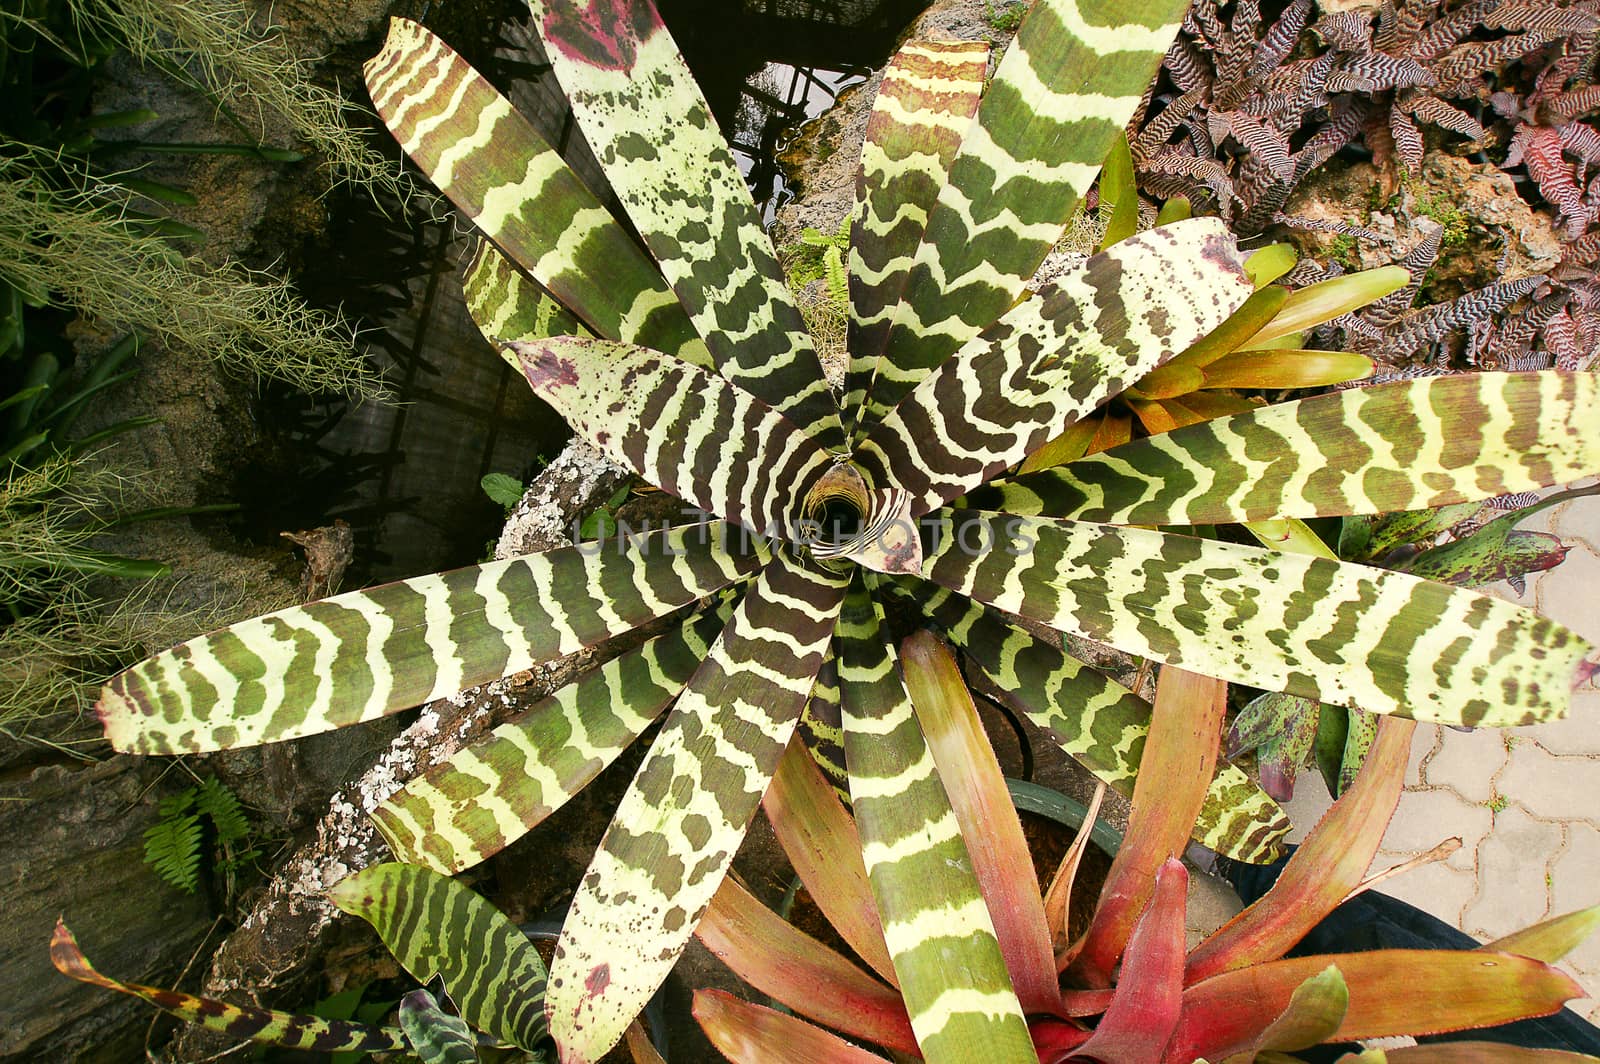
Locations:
(1055, 1040)
(752, 1034)
(987, 817)
(1180, 755)
(1144, 1010)
(1316, 1009)
(1392, 992)
(1323, 871)
(778, 959)
(822, 844)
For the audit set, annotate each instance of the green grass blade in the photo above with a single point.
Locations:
(368, 653)
(1033, 150)
(1407, 445)
(925, 103)
(951, 972)
(1332, 631)
(662, 153)
(489, 794)
(438, 929)
(1096, 720)
(682, 428)
(240, 1021)
(1052, 360)
(676, 830)
(517, 189)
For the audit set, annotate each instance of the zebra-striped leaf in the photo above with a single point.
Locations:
(489, 794)
(1400, 446)
(940, 936)
(822, 728)
(434, 1035)
(986, 816)
(1380, 641)
(363, 654)
(671, 423)
(925, 102)
(1065, 88)
(516, 188)
(661, 151)
(1051, 361)
(1096, 720)
(505, 305)
(676, 830)
(268, 1026)
(438, 929)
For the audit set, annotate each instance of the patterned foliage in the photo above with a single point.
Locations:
(961, 198)
(366, 653)
(520, 193)
(622, 73)
(240, 1021)
(438, 929)
(938, 930)
(1381, 641)
(1060, 95)
(1246, 90)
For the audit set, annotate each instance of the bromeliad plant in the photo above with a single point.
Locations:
(1134, 991)
(694, 370)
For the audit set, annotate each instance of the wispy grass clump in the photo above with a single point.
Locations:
(216, 47)
(58, 642)
(76, 249)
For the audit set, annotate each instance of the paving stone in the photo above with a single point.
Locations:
(1511, 874)
(1424, 819)
(1576, 733)
(1466, 762)
(1423, 741)
(1435, 888)
(1310, 801)
(1575, 876)
(1552, 787)
(1568, 595)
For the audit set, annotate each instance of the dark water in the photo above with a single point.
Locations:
(406, 476)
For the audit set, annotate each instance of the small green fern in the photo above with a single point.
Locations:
(820, 256)
(173, 845)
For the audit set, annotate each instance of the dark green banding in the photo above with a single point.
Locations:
(364, 654)
(1406, 445)
(517, 189)
(1325, 630)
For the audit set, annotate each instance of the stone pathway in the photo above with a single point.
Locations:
(1525, 802)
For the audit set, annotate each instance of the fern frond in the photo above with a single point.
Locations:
(172, 844)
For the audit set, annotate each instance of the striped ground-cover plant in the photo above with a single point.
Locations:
(443, 934)
(689, 363)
